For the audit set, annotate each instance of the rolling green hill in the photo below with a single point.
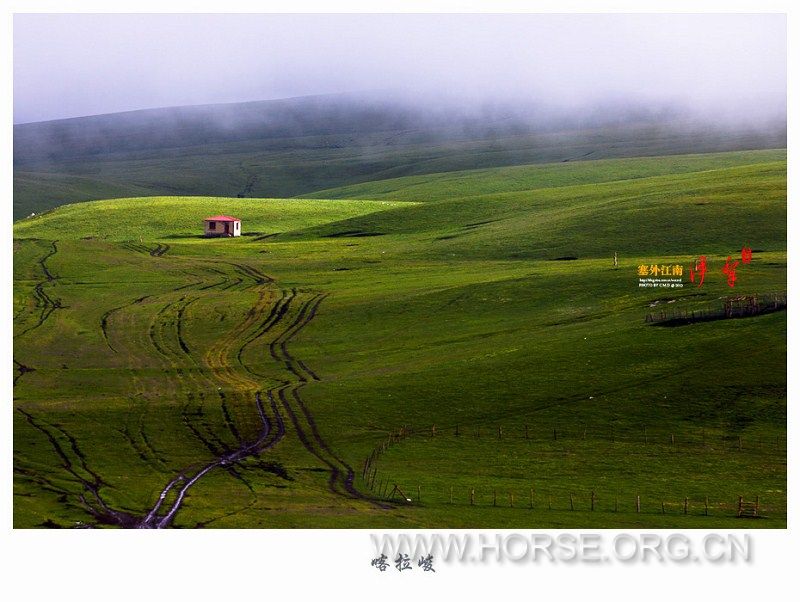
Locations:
(475, 182)
(150, 218)
(298, 146)
(465, 337)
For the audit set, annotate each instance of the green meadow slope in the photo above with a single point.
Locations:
(465, 337)
(520, 178)
(291, 147)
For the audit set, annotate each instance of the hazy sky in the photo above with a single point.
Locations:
(72, 65)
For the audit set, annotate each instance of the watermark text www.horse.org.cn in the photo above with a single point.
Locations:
(397, 550)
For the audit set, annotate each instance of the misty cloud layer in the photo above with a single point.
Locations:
(729, 66)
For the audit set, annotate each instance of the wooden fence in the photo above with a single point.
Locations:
(388, 489)
(572, 502)
(732, 307)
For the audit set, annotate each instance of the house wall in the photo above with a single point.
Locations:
(219, 228)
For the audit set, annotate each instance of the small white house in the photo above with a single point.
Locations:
(222, 225)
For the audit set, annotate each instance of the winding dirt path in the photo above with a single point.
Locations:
(44, 302)
(182, 482)
(275, 319)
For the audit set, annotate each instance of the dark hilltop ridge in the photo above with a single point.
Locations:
(289, 147)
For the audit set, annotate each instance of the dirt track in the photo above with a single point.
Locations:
(276, 317)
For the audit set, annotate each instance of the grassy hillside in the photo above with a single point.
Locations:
(447, 346)
(463, 184)
(160, 218)
(705, 211)
(298, 146)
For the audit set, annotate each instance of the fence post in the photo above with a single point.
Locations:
(555, 436)
(663, 510)
(739, 512)
(531, 498)
(706, 505)
(592, 501)
(419, 494)
(472, 497)
(499, 432)
(638, 504)
(757, 504)
(511, 498)
(686, 505)
(571, 502)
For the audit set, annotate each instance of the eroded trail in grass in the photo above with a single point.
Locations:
(44, 303)
(44, 306)
(342, 474)
(288, 392)
(252, 419)
(157, 517)
(239, 377)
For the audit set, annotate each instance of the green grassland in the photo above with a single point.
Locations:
(300, 146)
(462, 184)
(165, 218)
(436, 328)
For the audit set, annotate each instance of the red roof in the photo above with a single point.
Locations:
(222, 218)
